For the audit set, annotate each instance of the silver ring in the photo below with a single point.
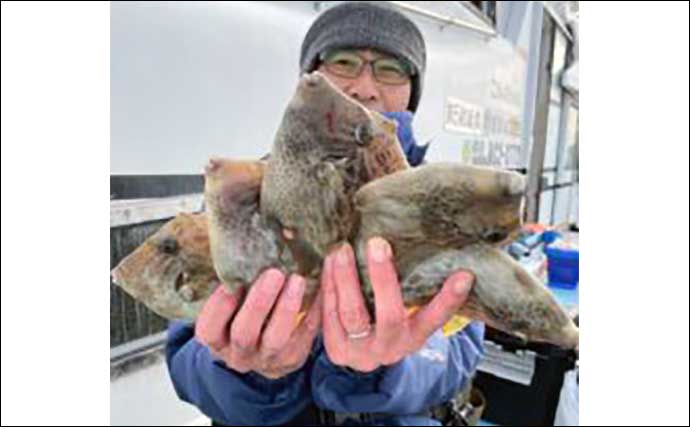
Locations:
(359, 335)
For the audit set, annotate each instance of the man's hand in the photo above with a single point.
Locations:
(349, 337)
(282, 347)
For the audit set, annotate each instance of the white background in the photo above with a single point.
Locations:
(633, 213)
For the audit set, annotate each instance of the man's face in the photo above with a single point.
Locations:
(365, 88)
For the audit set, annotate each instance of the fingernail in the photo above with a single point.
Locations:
(343, 258)
(379, 249)
(295, 286)
(462, 281)
(274, 277)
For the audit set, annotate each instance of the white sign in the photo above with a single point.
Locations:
(461, 116)
(490, 136)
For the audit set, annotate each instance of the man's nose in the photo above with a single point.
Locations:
(364, 88)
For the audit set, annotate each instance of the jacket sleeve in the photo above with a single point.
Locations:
(225, 395)
(431, 376)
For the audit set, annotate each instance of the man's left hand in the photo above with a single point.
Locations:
(350, 338)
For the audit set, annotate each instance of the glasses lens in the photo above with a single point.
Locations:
(391, 71)
(344, 63)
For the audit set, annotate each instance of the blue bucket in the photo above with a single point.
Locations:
(563, 267)
(549, 236)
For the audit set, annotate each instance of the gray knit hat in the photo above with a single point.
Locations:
(367, 25)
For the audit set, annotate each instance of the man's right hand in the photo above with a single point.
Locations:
(281, 347)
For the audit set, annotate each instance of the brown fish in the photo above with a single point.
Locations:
(171, 272)
(443, 217)
(238, 238)
(326, 148)
(242, 245)
(504, 295)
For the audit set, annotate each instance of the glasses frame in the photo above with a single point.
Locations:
(405, 65)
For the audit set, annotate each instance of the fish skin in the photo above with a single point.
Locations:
(171, 272)
(326, 148)
(435, 207)
(236, 230)
(504, 295)
(242, 244)
(444, 217)
(443, 204)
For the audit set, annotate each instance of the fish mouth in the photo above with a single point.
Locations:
(570, 337)
(119, 274)
(316, 81)
(213, 166)
(181, 279)
(123, 280)
(183, 290)
(313, 80)
(115, 277)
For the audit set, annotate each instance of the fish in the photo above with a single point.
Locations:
(171, 272)
(336, 173)
(443, 217)
(327, 146)
(288, 211)
(242, 244)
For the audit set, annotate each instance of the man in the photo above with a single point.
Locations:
(334, 366)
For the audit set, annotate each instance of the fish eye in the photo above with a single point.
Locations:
(169, 245)
(495, 236)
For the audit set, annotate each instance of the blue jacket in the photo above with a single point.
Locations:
(401, 392)
(428, 377)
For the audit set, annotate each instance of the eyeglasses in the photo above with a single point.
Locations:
(348, 64)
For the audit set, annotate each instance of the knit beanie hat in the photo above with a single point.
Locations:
(363, 25)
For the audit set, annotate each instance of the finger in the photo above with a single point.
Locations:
(293, 356)
(333, 332)
(390, 310)
(238, 361)
(283, 319)
(351, 308)
(311, 324)
(434, 315)
(246, 328)
(213, 322)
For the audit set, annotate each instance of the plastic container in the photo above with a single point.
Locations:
(549, 236)
(563, 267)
